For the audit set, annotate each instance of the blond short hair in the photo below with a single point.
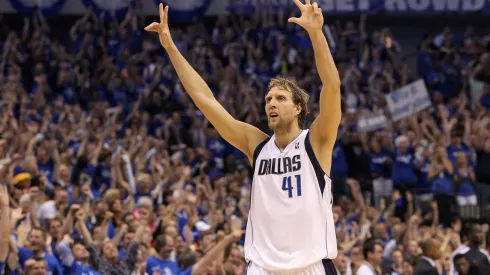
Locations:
(300, 97)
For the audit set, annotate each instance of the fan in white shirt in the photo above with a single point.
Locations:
(342, 263)
(373, 256)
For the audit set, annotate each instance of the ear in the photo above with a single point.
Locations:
(298, 109)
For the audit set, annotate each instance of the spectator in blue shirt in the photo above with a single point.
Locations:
(403, 172)
(464, 178)
(457, 145)
(54, 230)
(340, 169)
(75, 258)
(37, 265)
(423, 189)
(441, 176)
(380, 166)
(37, 240)
(162, 262)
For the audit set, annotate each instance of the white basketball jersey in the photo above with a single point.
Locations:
(290, 224)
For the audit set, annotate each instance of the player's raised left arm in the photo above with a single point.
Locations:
(324, 128)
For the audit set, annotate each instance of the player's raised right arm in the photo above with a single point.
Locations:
(243, 136)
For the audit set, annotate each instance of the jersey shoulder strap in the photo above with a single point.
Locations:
(319, 173)
(257, 151)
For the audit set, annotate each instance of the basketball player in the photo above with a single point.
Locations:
(290, 227)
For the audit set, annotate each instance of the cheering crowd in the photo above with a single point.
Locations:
(109, 168)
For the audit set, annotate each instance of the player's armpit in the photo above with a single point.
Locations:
(241, 135)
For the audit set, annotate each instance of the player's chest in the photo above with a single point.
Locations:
(280, 165)
(282, 176)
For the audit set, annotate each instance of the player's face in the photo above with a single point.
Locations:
(280, 109)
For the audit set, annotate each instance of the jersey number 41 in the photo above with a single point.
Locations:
(288, 186)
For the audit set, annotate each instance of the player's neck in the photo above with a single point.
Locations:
(283, 138)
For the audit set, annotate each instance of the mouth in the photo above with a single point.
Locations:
(272, 115)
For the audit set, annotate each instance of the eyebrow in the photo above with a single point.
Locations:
(277, 95)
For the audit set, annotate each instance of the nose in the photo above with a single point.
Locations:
(272, 104)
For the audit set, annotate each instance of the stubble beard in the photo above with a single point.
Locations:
(281, 127)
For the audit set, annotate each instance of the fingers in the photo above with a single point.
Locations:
(315, 8)
(293, 20)
(153, 27)
(161, 12)
(298, 4)
(165, 15)
(308, 2)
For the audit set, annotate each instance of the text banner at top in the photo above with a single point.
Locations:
(408, 7)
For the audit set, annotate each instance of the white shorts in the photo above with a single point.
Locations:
(382, 187)
(467, 200)
(324, 267)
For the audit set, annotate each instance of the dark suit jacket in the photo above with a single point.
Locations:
(423, 267)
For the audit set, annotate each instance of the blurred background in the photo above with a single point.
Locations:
(110, 168)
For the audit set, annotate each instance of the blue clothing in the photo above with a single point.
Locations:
(53, 248)
(155, 264)
(339, 162)
(102, 175)
(378, 164)
(122, 252)
(424, 185)
(453, 151)
(465, 187)
(485, 101)
(217, 147)
(53, 267)
(70, 266)
(80, 269)
(47, 169)
(111, 230)
(403, 168)
(442, 184)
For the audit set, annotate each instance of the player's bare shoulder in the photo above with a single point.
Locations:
(254, 137)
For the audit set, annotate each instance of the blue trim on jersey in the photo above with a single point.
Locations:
(256, 154)
(247, 266)
(257, 151)
(329, 267)
(320, 174)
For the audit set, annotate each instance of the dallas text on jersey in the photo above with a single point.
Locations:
(278, 166)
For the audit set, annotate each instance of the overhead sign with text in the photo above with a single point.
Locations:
(186, 10)
(373, 6)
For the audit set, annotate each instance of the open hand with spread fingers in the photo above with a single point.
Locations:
(162, 28)
(311, 16)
